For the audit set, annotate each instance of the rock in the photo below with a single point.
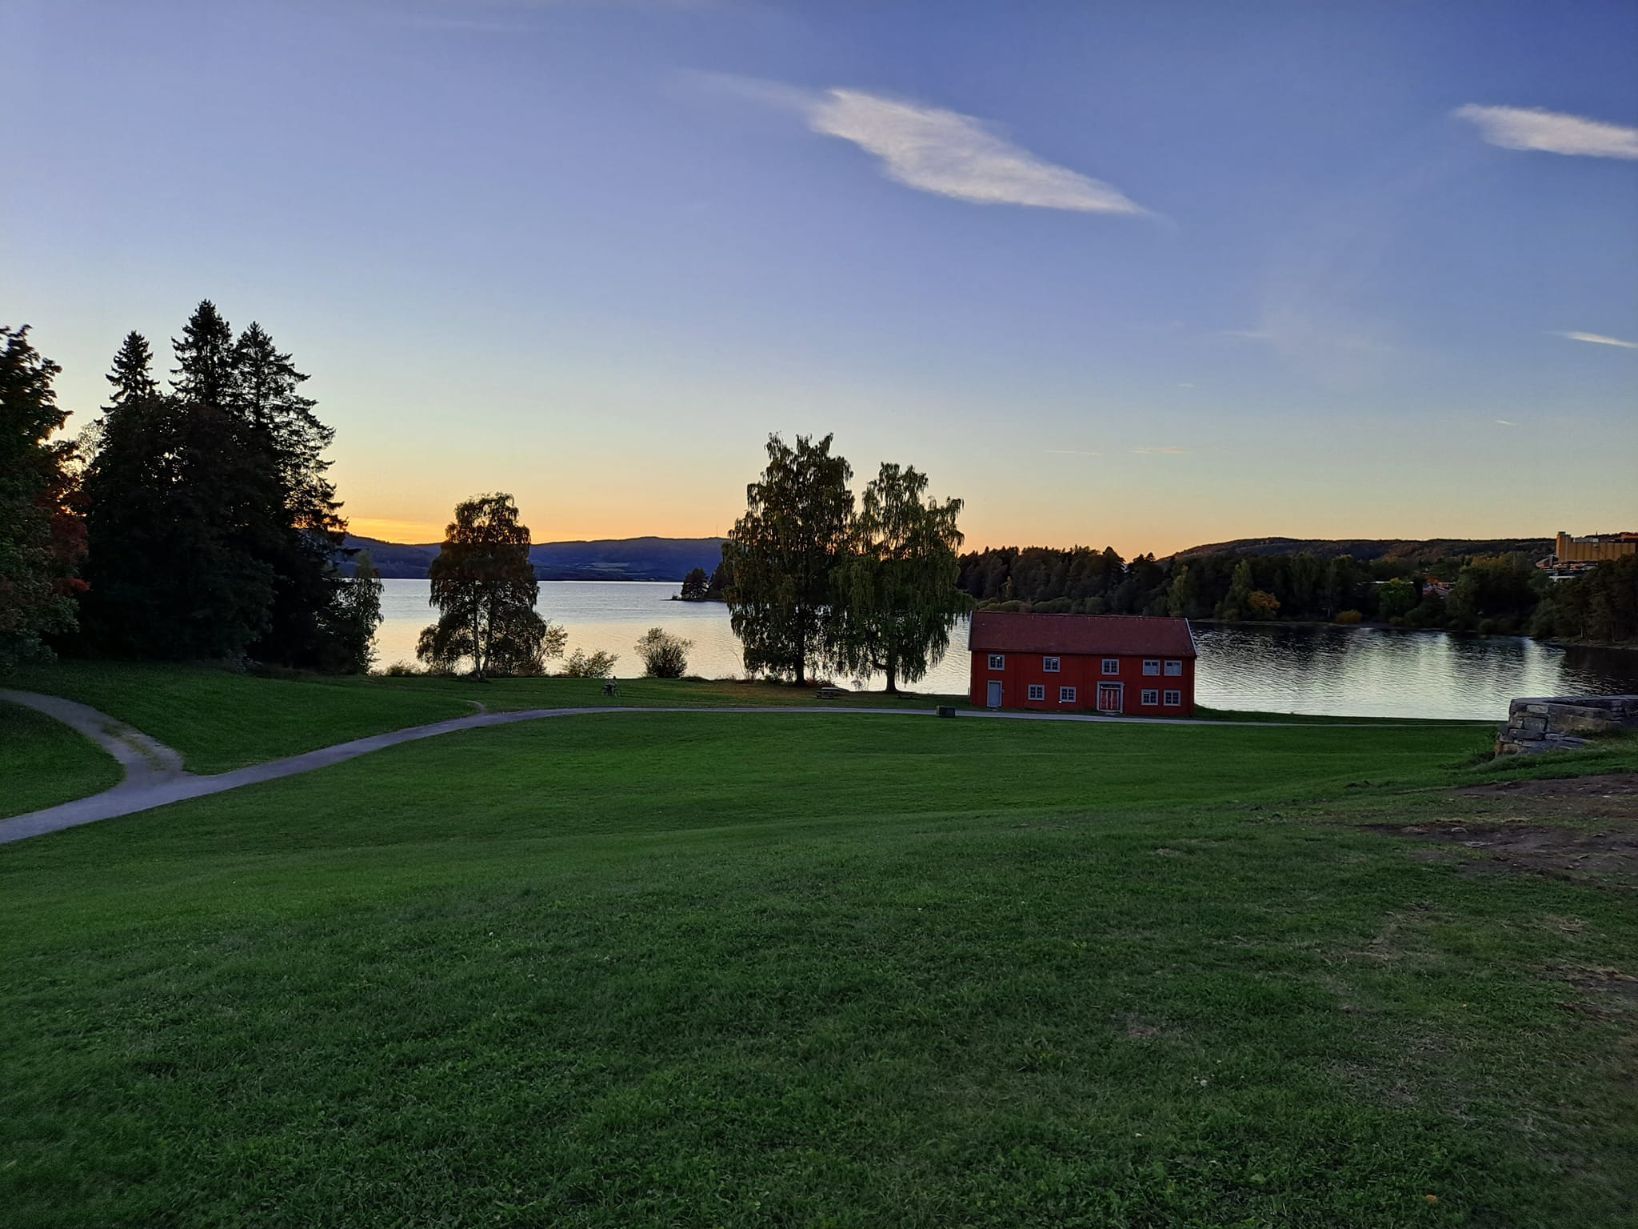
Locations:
(1557, 723)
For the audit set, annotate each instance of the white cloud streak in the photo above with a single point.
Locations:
(1551, 132)
(1160, 452)
(942, 152)
(1598, 339)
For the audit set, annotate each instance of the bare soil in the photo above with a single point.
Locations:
(1583, 828)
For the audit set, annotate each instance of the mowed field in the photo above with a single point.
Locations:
(799, 969)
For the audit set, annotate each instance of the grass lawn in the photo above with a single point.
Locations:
(721, 970)
(220, 720)
(43, 762)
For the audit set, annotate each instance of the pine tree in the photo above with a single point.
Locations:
(40, 539)
(897, 590)
(782, 556)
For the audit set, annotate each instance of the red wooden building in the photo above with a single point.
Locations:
(1132, 664)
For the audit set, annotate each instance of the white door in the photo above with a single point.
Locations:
(995, 693)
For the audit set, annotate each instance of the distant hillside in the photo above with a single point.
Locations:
(1425, 550)
(668, 559)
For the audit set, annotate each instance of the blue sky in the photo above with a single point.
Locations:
(1143, 274)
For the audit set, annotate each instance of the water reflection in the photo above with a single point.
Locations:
(1354, 671)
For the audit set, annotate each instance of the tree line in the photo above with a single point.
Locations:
(191, 519)
(1492, 594)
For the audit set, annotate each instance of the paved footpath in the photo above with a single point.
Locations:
(154, 776)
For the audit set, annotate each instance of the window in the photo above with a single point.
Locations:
(1151, 665)
(1049, 664)
(998, 661)
(1174, 698)
(1066, 695)
(1111, 665)
(1174, 668)
(1037, 691)
(1151, 696)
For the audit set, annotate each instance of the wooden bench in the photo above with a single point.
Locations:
(830, 693)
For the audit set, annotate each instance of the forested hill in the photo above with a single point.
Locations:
(606, 559)
(1395, 550)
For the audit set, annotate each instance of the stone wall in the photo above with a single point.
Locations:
(1555, 723)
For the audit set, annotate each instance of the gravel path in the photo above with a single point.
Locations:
(154, 776)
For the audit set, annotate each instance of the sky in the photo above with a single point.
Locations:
(1145, 275)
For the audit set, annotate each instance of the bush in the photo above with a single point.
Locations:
(1349, 617)
(596, 666)
(664, 656)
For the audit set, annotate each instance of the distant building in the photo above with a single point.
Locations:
(1595, 547)
(1131, 664)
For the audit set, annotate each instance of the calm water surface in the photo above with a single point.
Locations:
(1353, 671)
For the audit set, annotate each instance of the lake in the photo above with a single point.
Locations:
(1362, 672)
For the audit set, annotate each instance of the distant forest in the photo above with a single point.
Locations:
(1465, 586)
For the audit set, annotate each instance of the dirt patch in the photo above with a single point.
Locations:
(1614, 794)
(1609, 857)
(1603, 992)
(1583, 828)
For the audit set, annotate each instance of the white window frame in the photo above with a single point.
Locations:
(1151, 665)
(1037, 691)
(1174, 668)
(1051, 665)
(1150, 696)
(1111, 665)
(1066, 695)
(1174, 699)
(998, 661)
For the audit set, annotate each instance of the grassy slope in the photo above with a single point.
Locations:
(717, 970)
(43, 762)
(221, 720)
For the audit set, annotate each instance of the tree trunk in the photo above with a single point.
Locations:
(892, 673)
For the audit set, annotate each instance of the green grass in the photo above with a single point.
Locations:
(220, 720)
(718, 970)
(43, 762)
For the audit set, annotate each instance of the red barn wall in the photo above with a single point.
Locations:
(1083, 672)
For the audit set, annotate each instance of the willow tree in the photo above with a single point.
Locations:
(782, 557)
(896, 593)
(485, 589)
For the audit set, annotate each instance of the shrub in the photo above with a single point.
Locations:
(1349, 617)
(664, 656)
(596, 666)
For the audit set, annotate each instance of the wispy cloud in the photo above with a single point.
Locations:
(1504, 422)
(1160, 452)
(942, 152)
(1598, 339)
(1551, 132)
(1071, 452)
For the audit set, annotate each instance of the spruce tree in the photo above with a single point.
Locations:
(308, 588)
(183, 508)
(40, 539)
